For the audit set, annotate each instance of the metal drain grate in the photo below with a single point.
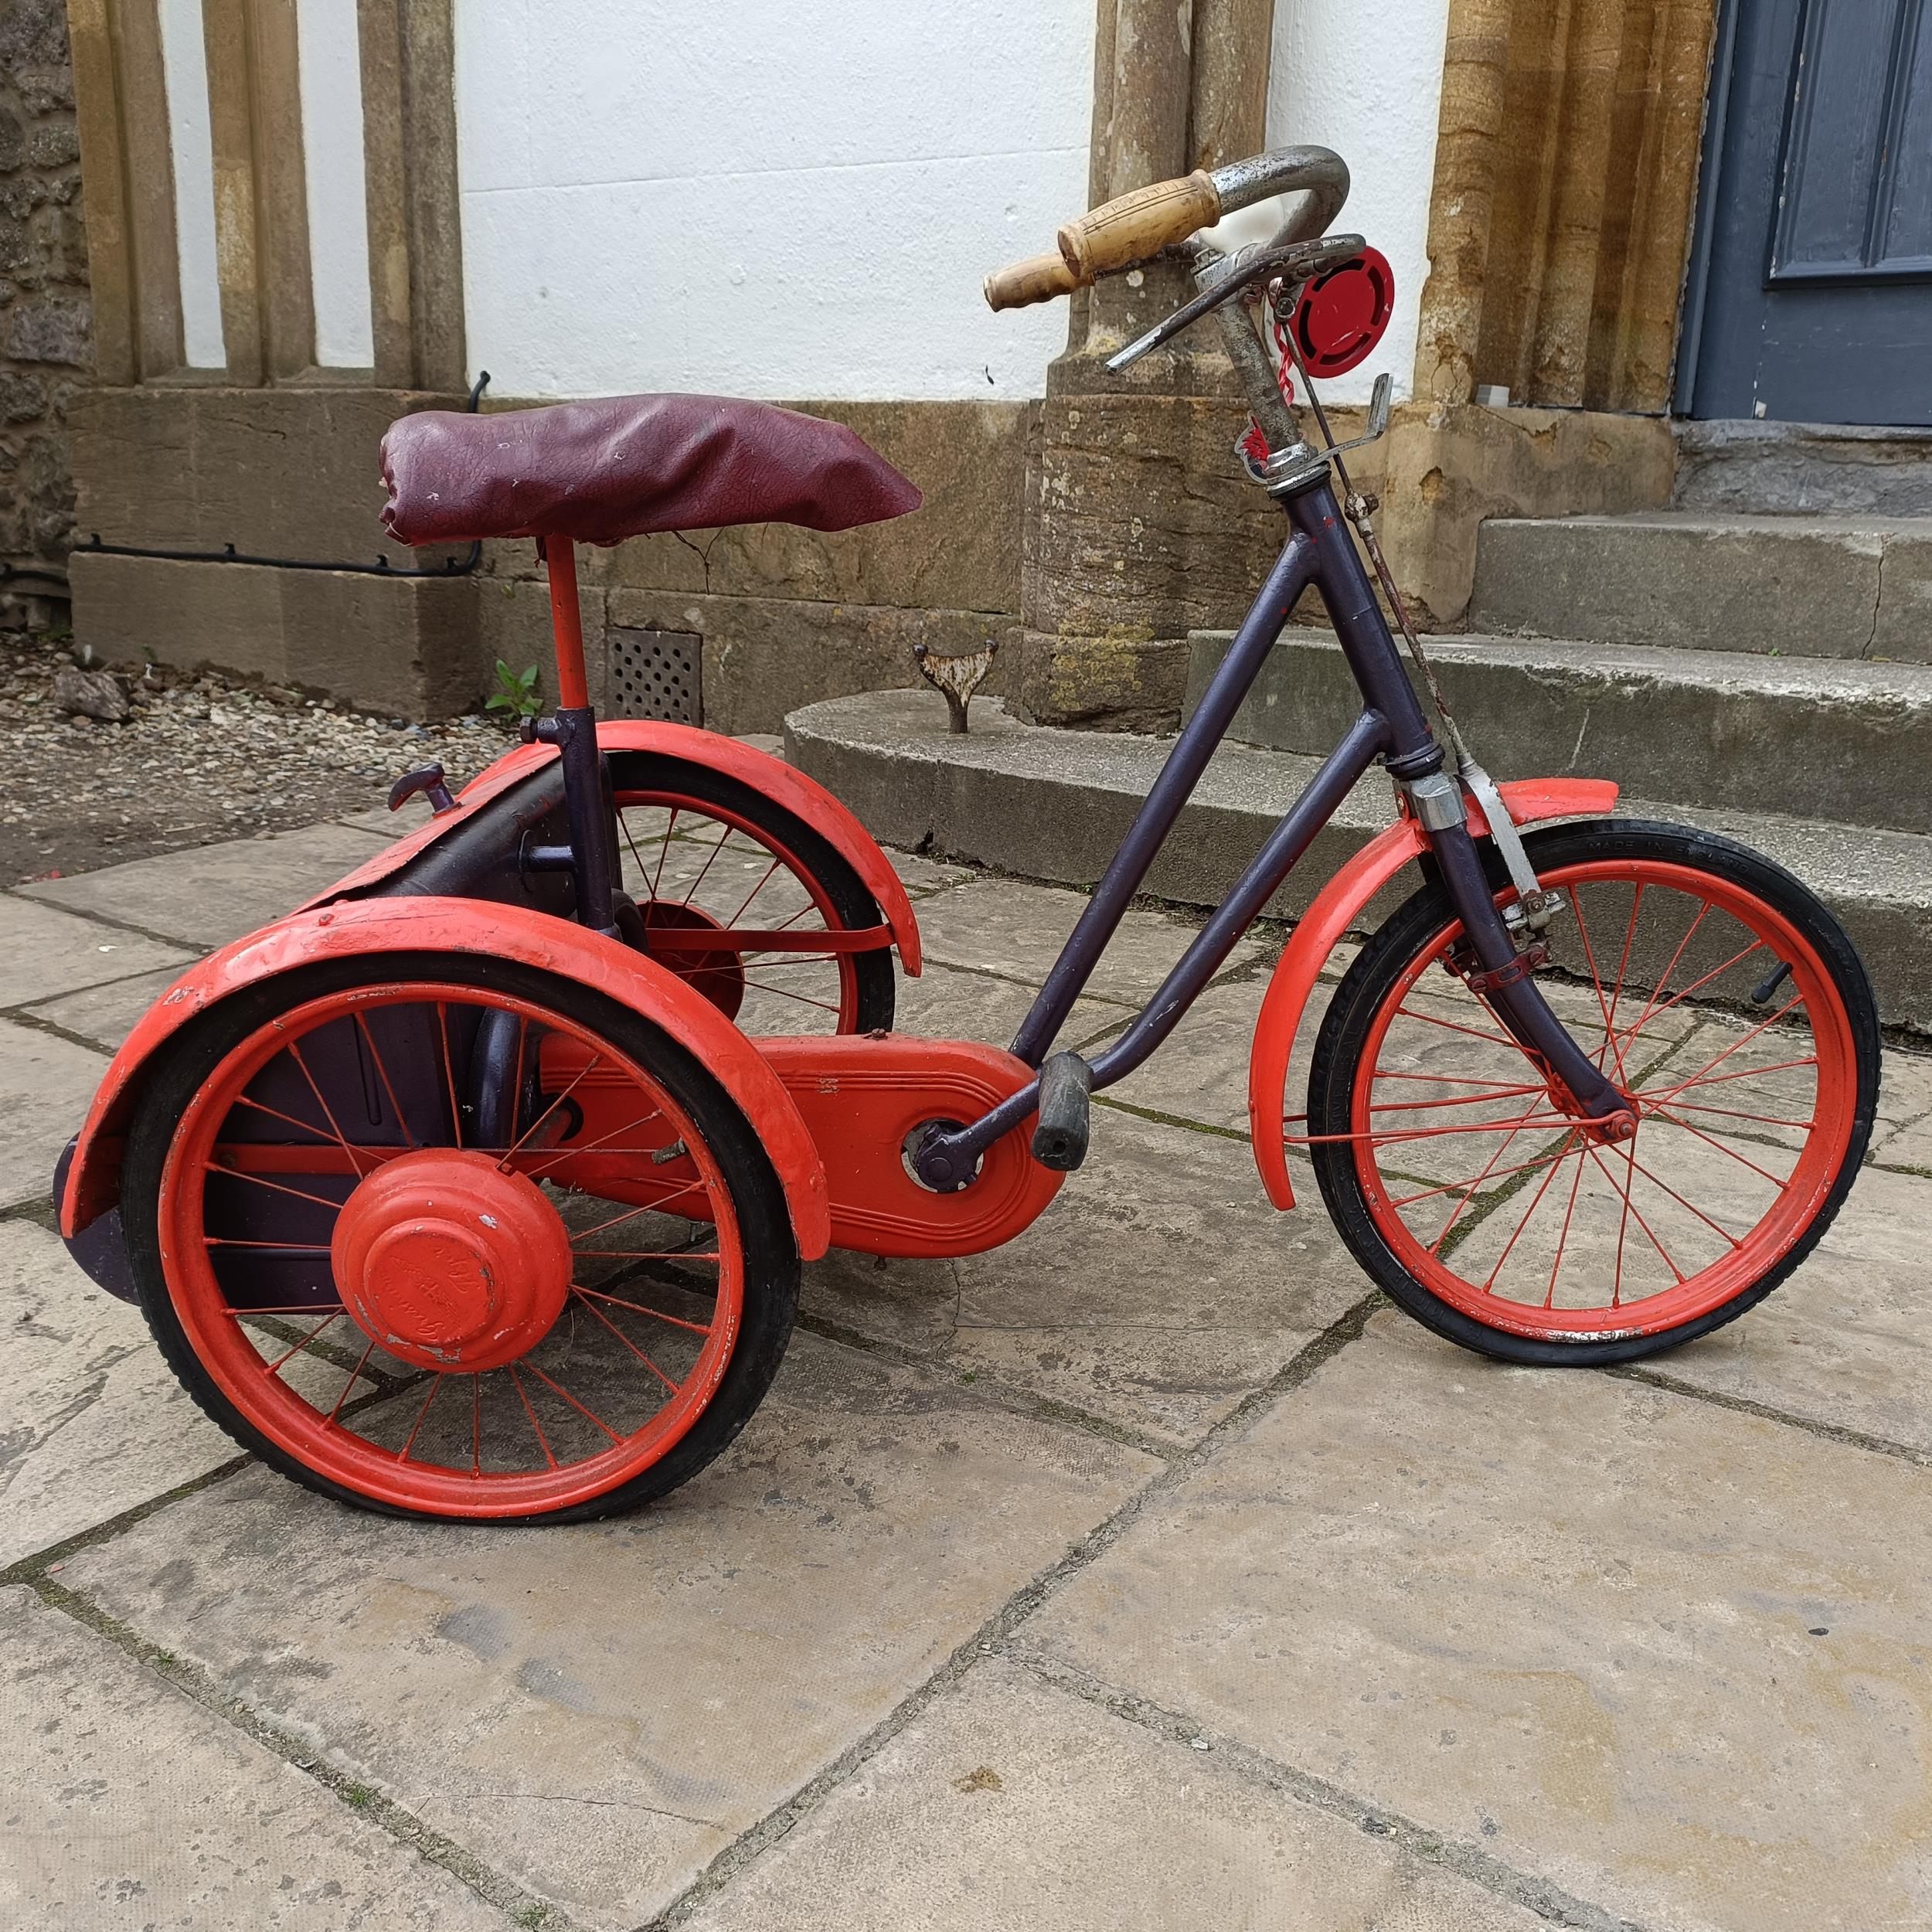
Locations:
(656, 674)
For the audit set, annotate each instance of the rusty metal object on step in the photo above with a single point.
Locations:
(956, 678)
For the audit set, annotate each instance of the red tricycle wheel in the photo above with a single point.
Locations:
(398, 1305)
(702, 850)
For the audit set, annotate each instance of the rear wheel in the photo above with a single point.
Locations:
(447, 1237)
(1713, 989)
(704, 853)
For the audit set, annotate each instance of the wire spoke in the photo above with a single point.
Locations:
(584, 1072)
(388, 1086)
(543, 1440)
(640, 1307)
(592, 1308)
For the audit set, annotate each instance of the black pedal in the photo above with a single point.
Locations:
(1060, 1134)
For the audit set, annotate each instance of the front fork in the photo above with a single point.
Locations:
(1577, 1085)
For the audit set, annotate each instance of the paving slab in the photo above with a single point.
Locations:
(599, 1711)
(44, 951)
(105, 1015)
(205, 897)
(1903, 1137)
(1011, 1805)
(1848, 1339)
(1011, 926)
(45, 1083)
(945, 1003)
(1670, 1656)
(922, 876)
(129, 1805)
(1156, 1291)
(95, 1420)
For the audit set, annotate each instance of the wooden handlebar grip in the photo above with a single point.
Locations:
(1128, 229)
(1038, 279)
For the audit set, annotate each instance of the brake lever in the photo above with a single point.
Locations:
(1294, 260)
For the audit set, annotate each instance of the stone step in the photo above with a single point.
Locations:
(1847, 742)
(1811, 587)
(1802, 468)
(1054, 805)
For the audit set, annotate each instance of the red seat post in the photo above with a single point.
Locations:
(566, 624)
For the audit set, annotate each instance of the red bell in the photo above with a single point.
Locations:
(1342, 313)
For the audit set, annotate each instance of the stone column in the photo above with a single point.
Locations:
(1138, 526)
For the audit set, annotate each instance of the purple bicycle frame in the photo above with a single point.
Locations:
(1392, 727)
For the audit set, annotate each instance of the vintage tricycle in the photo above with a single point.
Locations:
(479, 1186)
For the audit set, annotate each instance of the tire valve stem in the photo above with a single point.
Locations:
(664, 1156)
(1761, 994)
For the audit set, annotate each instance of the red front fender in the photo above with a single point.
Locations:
(378, 926)
(1334, 910)
(802, 797)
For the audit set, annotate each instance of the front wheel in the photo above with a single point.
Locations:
(1711, 987)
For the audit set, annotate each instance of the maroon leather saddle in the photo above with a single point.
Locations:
(597, 472)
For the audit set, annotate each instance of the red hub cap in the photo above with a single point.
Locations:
(448, 1263)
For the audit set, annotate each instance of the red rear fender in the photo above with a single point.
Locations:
(374, 927)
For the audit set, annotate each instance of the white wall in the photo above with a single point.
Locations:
(769, 198)
(1368, 82)
(184, 63)
(330, 70)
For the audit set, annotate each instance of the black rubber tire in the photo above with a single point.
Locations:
(771, 1262)
(1416, 923)
(655, 771)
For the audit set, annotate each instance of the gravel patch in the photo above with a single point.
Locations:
(201, 757)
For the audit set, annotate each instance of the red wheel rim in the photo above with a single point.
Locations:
(304, 1115)
(1491, 1197)
(731, 880)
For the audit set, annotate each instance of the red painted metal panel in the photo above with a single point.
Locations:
(378, 926)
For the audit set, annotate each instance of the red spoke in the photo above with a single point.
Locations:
(355, 1376)
(1455, 1213)
(1489, 1285)
(1503, 1089)
(295, 1054)
(1562, 1237)
(593, 1309)
(476, 1426)
(279, 1247)
(1756, 946)
(1456, 1100)
(1472, 1186)
(1742, 1073)
(672, 1190)
(754, 892)
(784, 992)
(592, 1147)
(1690, 1127)
(1713, 1226)
(640, 1307)
(293, 1307)
(1454, 1026)
(1734, 1113)
(289, 1120)
(1623, 963)
(542, 1440)
(644, 1254)
(1704, 906)
(1623, 1219)
(271, 1367)
(584, 1072)
(449, 1070)
(559, 1389)
(1636, 1214)
(664, 848)
(1602, 1005)
(691, 890)
(409, 1442)
(236, 1174)
(1700, 1077)
(388, 1086)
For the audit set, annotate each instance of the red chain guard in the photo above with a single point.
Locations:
(861, 1094)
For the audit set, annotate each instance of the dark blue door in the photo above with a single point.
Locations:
(1815, 253)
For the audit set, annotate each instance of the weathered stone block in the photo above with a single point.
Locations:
(766, 656)
(959, 551)
(408, 645)
(277, 472)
